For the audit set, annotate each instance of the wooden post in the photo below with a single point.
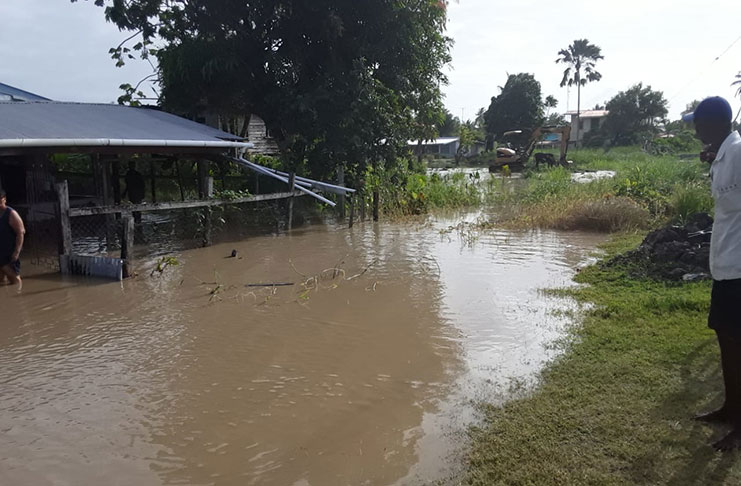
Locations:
(116, 179)
(352, 211)
(153, 181)
(107, 193)
(127, 245)
(376, 195)
(341, 197)
(208, 187)
(180, 179)
(65, 244)
(291, 188)
(202, 176)
(361, 201)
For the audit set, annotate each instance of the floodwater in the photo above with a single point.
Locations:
(366, 370)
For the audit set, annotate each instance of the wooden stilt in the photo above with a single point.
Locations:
(65, 243)
(127, 245)
(352, 211)
(208, 184)
(291, 188)
(341, 197)
(153, 181)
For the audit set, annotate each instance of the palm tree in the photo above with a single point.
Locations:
(580, 58)
(550, 102)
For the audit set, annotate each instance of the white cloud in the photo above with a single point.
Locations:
(59, 50)
(665, 44)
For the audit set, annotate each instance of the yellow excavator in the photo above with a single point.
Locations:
(516, 158)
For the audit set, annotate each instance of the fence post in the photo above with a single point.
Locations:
(352, 211)
(127, 245)
(208, 183)
(341, 198)
(65, 245)
(376, 195)
(153, 181)
(291, 187)
(107, 194)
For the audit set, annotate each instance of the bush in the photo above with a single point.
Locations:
(610, 214)
(687, 200)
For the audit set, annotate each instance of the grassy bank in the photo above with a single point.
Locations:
(646, 191)
(616, 407)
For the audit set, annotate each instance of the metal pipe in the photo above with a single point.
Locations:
(324, 185)
(263, 170)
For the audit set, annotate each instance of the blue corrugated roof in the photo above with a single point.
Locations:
(60, 120)
(15, 94)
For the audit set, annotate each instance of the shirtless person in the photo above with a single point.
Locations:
(12, 233)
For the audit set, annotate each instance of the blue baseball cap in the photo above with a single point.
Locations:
(714, 108)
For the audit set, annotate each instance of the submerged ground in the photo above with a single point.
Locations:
(391, 339)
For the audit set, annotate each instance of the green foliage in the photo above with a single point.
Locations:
(689, 199)
(634, 116)
(681, 142)
(332, 79)
(449, 126)
(518, 106)
(163, 263)
(646, 191)
(406, 192)
(467, 137)
(580, 59)
(231, 194)
(71, 162)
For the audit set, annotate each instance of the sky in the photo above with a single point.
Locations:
(59, 49)
(670, 45)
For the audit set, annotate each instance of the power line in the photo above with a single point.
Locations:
(703, 73)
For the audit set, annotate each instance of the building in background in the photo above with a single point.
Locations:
(589, 120)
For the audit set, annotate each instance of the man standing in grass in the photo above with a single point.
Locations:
(712, 119)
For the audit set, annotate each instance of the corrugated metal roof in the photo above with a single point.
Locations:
(49, 120)
(14, 94)
(437, 141)
(589, 113)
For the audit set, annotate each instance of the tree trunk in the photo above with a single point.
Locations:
(578, 113)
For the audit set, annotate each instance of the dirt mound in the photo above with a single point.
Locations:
(673, 252)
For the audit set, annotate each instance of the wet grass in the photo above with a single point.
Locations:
(615, 408)
(646, 191)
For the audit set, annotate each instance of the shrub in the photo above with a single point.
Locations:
(687, 200)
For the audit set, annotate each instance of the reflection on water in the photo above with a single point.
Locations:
(361, 375)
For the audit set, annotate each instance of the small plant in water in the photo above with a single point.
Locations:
(163, 263)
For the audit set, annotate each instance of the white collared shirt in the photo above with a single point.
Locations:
(725, 243)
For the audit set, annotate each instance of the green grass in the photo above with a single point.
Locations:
(615, 408)
(646, 191)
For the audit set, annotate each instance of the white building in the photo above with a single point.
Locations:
(588, 120)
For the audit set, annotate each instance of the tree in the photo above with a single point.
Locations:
(580, 59)
(555, 119)
(550, 102)
(466, 140)
(450, 126)
(518, 106)
(634, 115)
(335, 81)
(691, 107)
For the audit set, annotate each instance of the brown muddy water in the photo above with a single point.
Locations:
(366, 374)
